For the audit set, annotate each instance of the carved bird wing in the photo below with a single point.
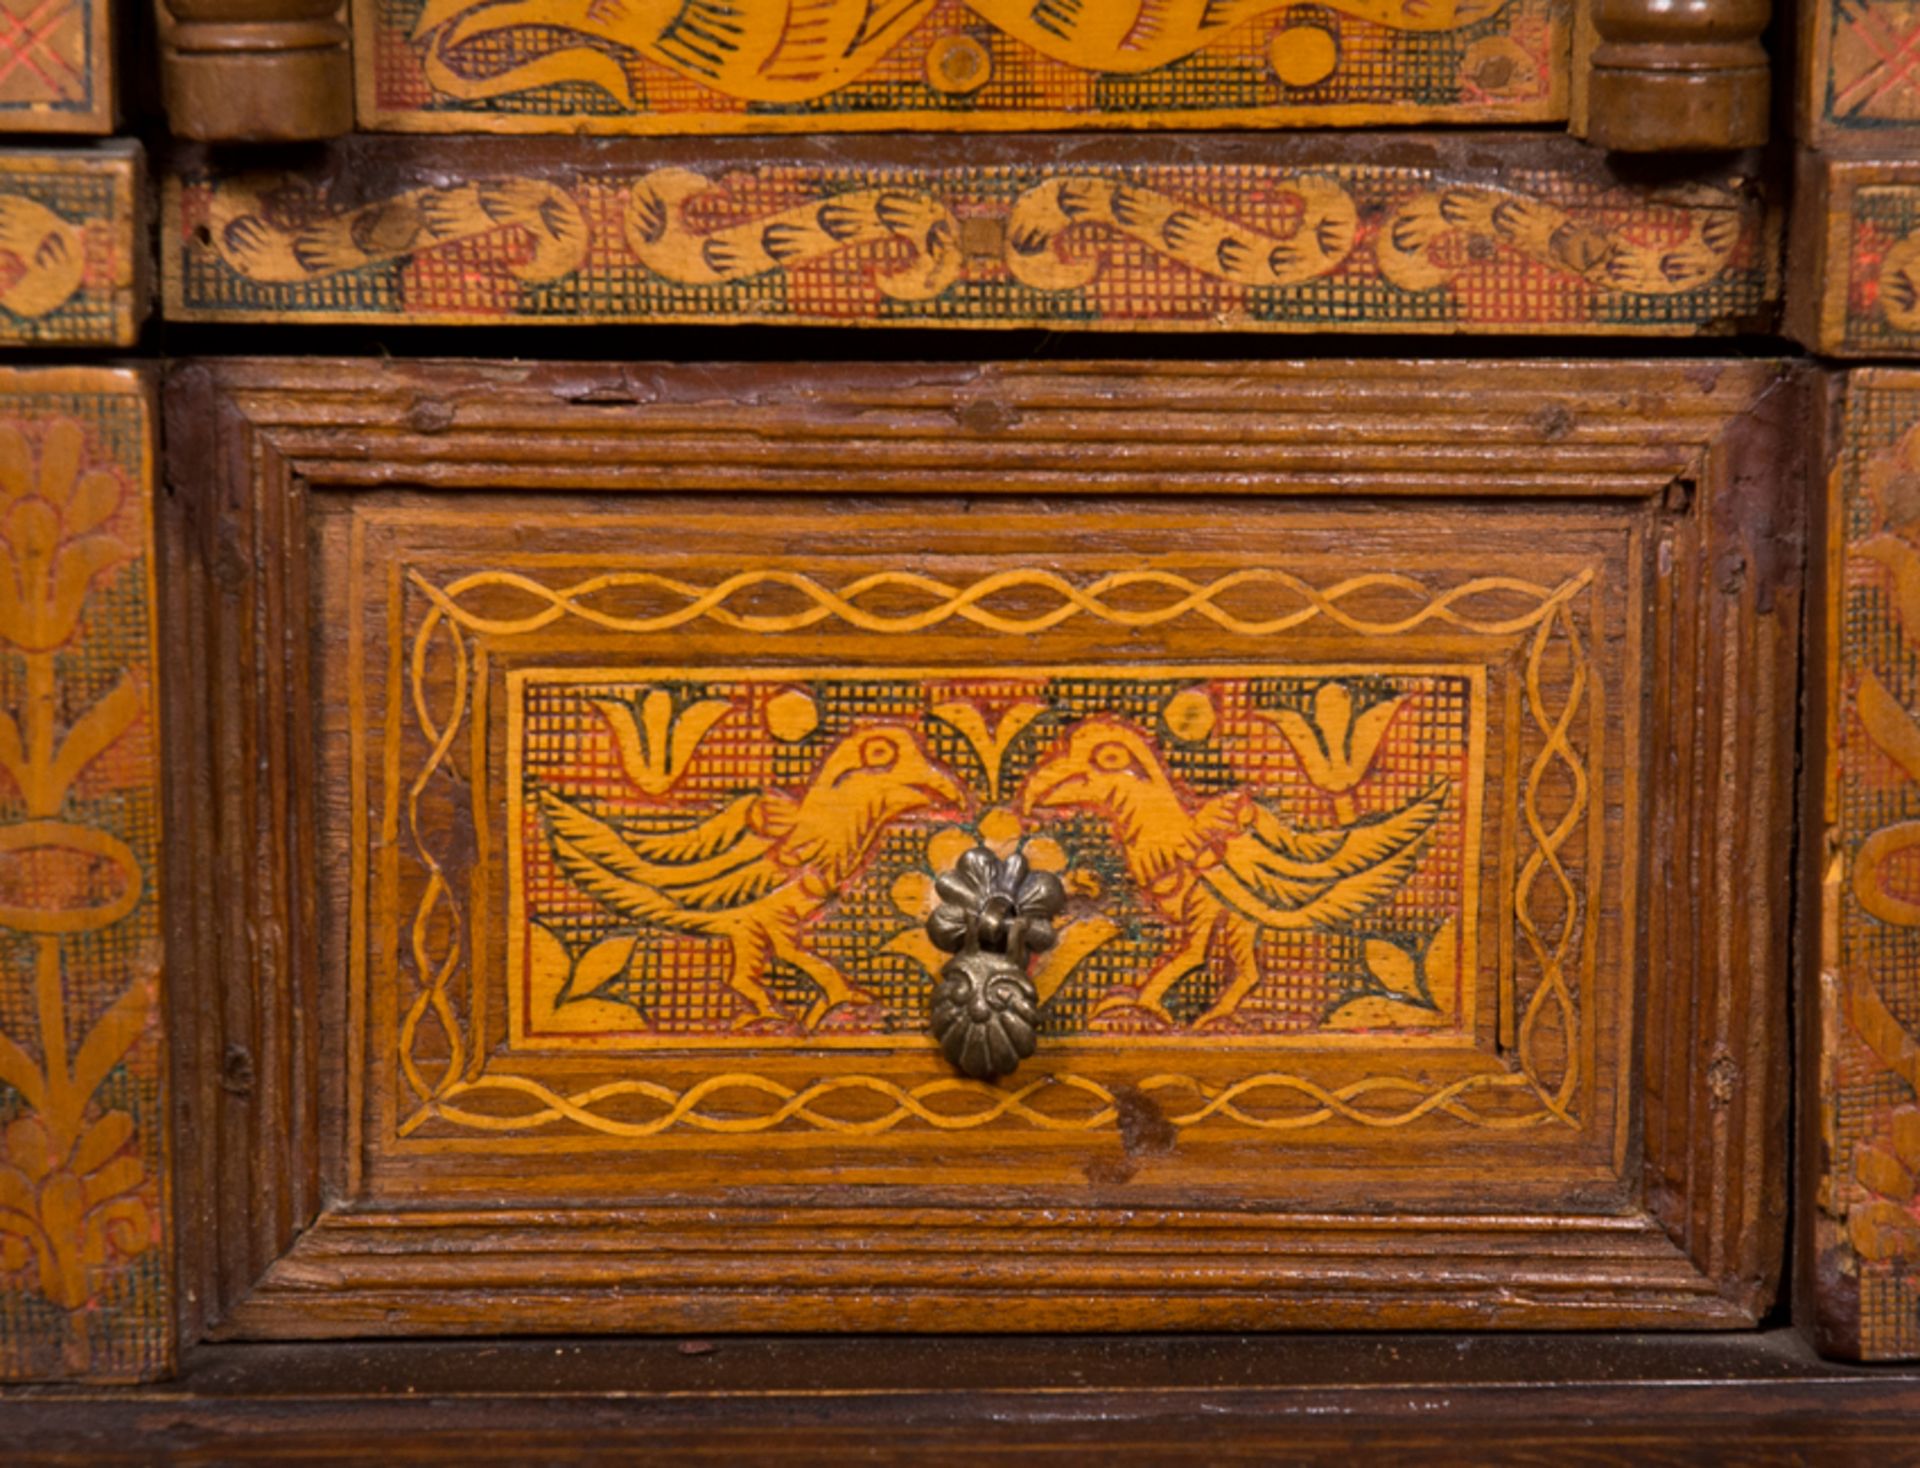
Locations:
(1283, 878)
(1135, 36)
(696, 898)
(733, 835)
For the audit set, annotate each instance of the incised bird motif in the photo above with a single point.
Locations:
(756, 872)
(1222, 868)
(799, 50)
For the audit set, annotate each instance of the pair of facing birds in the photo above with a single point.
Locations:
(756, 874)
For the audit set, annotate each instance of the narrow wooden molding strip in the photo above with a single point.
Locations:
(75, 221)
(85, 1248)
(1402, 234)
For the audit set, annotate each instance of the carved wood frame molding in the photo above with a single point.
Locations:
(276, 1243)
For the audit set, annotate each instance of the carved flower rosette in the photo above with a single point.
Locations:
(993, 913)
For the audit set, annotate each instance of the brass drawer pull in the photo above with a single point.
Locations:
(993, 913)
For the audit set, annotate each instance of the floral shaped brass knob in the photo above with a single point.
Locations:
(993, 913)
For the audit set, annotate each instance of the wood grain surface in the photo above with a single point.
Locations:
(256, 71)
(1660, 78)
(1757, 1399)
(402, 540)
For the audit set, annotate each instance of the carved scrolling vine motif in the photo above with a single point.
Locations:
(1260, 246)
(728, 879)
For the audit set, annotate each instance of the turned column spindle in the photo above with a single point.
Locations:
(1672, 76)
(257, 70)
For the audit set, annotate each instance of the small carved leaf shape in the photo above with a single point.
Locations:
(1887, 1226)
(1889, 725)
(999, 905)
(1405, 989)
(69, 1210)
(657, 746)
(1335, 748)
(1395, 969)
(598, 972)
(51, 526)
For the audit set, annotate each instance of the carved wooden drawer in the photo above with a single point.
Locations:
(565, 758)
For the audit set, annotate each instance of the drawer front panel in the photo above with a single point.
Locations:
(645, 713)
(680, 910)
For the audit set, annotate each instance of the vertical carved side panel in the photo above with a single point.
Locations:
(1862, 1284)
(85, 1274)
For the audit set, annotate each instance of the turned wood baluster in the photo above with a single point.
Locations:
(257, 70)
(1673, 76)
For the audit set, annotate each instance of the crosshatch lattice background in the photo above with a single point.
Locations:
(674, 984)
(1487, 285)
(89, 197)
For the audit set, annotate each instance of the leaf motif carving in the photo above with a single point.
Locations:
(112, 1037)
(94, 732)
(1889, 725)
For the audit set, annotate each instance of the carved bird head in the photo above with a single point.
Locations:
(883, 772)
(1101, 762)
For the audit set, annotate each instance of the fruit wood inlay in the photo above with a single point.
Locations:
(737, 864)
(1278, 235)
(85, 1278)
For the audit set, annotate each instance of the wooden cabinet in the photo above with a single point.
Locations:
(959, 671)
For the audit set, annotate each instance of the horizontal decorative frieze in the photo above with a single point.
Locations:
(1422, 234)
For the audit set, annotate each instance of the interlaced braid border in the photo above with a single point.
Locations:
(464, 1092)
